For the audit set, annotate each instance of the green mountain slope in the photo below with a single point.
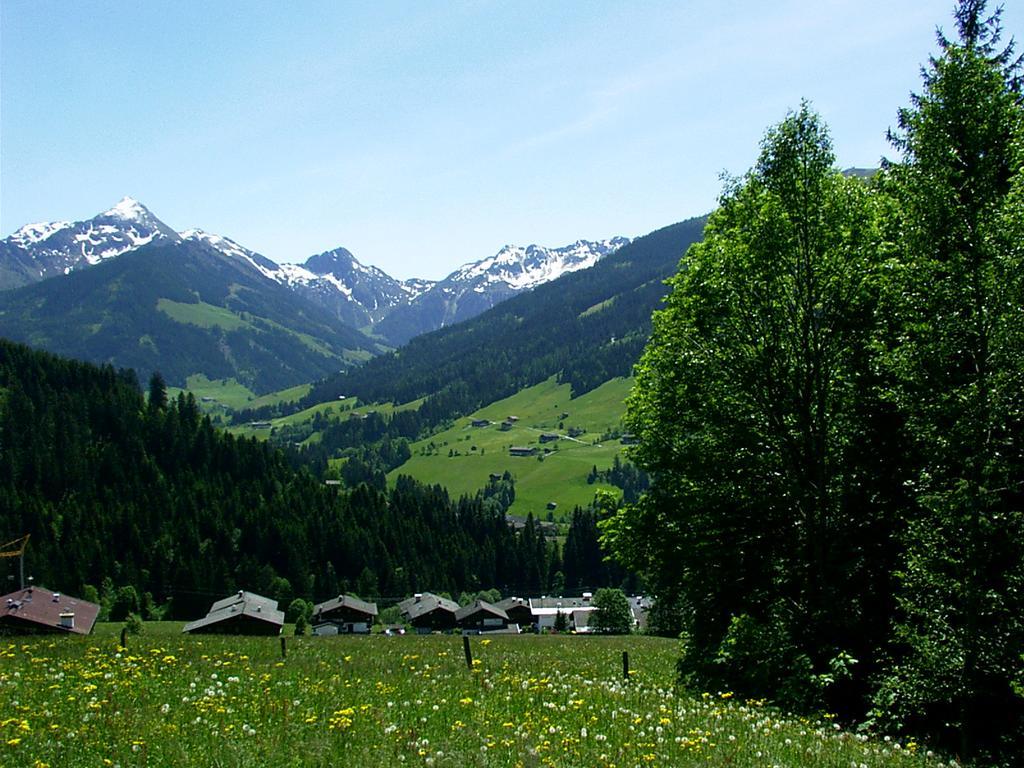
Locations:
(586, 327)
(463, 457)
(183, 308)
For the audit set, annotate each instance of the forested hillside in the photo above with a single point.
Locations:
(183, 308)
(120, 491)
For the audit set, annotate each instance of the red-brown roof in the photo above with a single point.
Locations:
(34, 609)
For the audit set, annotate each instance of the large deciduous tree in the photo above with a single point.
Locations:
(957, 354)
(754, 404)
(613, 615)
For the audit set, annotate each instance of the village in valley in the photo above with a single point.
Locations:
(34, 609)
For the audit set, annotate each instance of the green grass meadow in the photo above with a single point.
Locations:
(175, 700)
(559, 476)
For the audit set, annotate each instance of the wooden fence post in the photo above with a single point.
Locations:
(625, 665)
(469, 653)
(284, 650)
(124, 637)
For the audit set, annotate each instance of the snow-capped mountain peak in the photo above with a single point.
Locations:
(128, 209)
(38, 251)
(522, 268)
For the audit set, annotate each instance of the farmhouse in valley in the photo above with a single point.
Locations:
(428, 613)
(243, 613)
(34, 609)
(576, 610)
(343, 615)
(518, 611)
(481, 616)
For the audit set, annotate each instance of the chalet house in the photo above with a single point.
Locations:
(429, 613)
(548, 437)
(518, 611)
(481, 616)
(343, 615)
(577, 611)
(505, 426)
(522, 450)
(481, 423)
(629, 439)
(34, 610)
(244, 613)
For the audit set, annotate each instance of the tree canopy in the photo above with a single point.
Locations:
(831, 408)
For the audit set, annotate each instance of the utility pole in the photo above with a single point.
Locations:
(16, 549)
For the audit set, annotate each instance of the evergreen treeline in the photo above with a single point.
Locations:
(147, 494)
(832, 412)
(623, 475)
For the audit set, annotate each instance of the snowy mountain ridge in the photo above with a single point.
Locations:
(359, 295)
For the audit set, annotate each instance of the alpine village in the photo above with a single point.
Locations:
(747, 490)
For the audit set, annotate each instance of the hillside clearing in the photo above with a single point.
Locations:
(463, 457)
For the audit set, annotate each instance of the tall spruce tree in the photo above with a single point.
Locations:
(957, 353)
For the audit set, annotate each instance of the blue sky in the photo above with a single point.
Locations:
(423, 135)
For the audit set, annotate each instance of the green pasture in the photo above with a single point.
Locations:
(463, 457)
(333, 410)
(202, 315)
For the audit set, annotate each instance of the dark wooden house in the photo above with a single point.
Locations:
(244, 613)
(429, 613)
(481, 616)
(343, 615)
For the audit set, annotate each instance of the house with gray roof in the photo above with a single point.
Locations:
(577, 611)
(343, 615)
(518, 610)
(428, 612)
(243, 613)
(481, 616)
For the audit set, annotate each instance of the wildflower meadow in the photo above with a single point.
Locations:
(174, 700)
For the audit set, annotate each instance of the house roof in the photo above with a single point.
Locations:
(479, 609)
(346, 604)
(564, 603)
(513, 602)
(38, 608)
(567, 610)
(247, 604)
(420, 605)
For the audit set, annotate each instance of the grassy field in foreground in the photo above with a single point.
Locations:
(462, 457)
(173, 700)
